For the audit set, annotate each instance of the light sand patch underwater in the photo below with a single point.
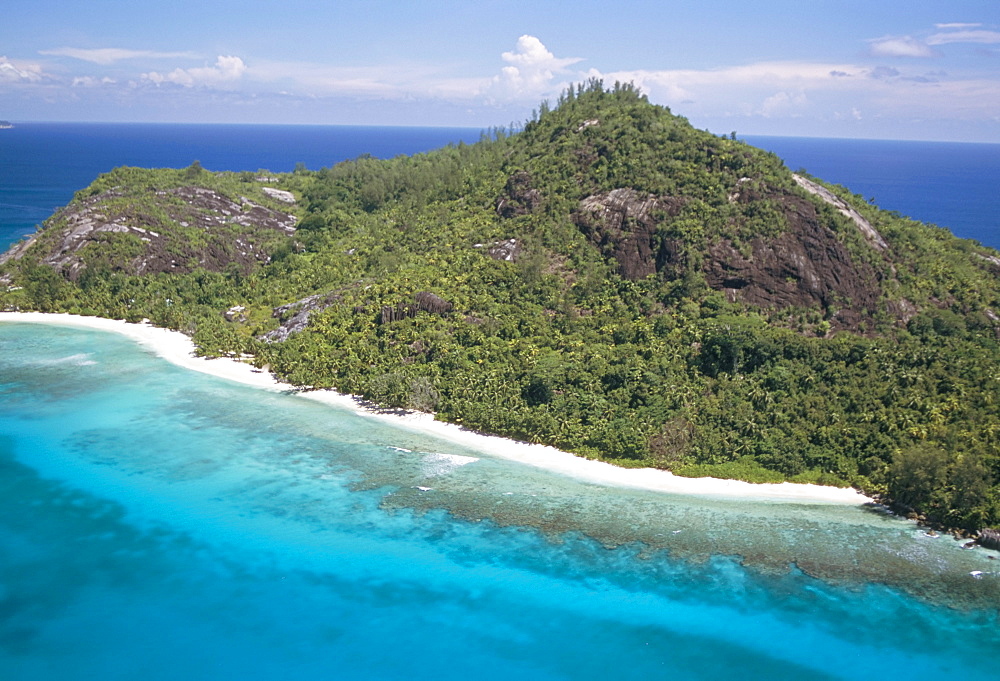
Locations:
(178, 349)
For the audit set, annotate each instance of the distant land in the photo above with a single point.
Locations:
(6, 124)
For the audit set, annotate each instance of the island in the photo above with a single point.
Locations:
(605, 279)
(4, 125)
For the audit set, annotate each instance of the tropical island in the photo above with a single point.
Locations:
(608, 280)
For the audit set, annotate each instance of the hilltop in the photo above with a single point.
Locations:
(608, 280)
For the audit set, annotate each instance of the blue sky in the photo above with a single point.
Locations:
(897, 69)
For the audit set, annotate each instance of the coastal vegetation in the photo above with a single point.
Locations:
(607, 279)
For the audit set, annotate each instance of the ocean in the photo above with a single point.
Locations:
(952, 185)
(160, 523)
(43, 164)
(949, 184)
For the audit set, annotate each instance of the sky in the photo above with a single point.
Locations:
(889, 69)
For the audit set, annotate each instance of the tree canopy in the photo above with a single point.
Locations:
(602, 269)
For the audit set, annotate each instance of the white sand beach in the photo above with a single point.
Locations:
(178, 349)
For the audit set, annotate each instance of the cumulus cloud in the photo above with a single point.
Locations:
(982, 37)
(109, 55)
(531, 70)
(19, 72)
(901, 46)
(226, 70)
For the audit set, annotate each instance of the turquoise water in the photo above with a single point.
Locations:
(161, 524)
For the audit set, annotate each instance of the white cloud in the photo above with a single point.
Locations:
(109, 55)
(902, 46)
(531, 72)
(532, 54)
(686, 85)
(19, 72)
(983, 37)
(226, 70)
(957, 25)
(90, 81)
(317, 80)
(773, 92)
(782, 104)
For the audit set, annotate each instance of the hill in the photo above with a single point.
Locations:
(608, 280)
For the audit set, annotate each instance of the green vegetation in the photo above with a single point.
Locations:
(891, 387)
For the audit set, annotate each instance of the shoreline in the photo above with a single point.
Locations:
(178, 349)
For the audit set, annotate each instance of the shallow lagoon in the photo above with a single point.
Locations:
(162, 523)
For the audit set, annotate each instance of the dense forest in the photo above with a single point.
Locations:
(606, 279)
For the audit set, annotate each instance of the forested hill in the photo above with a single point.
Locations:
(608, 280)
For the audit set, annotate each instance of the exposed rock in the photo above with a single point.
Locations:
(519, 197)
(279, 194)
(232, 232)
(424, 301)
(508, 250)
(806, 266)
(992, 263)
(623, 223)
(295, 316)
(902, 309)
(237, 313)
(871, 235)
(737, 191)
(989, 538)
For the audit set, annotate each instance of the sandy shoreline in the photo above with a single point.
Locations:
(178, 349)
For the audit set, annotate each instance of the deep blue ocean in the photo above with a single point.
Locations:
(43, 164)
(158, 523)
(949, 184)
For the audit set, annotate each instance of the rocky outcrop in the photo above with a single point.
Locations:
(519, 196)
(424, 301)
(623, 224)
(869, 232)
(279, 194)
(237, 313)
(173, 230)
(508, 250)
(989, 538)
(805, 266)
(295, 316)
(991, 262)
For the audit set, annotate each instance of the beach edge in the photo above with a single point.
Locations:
(179, 349)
